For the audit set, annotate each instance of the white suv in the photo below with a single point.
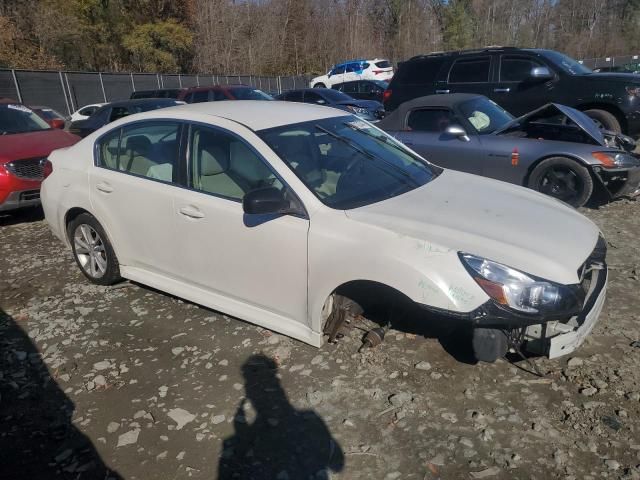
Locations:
(376, 69)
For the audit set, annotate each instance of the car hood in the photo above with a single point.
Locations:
(495, 220)
(368, 104)
(34, 144)
(551, 109)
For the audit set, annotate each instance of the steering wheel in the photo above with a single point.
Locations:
(350, 175)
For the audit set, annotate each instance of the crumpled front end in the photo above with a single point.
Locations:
(556, 338)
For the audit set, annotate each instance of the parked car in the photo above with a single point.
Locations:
(205, 94)
(25, 142)
(521, 80)
(376, 69)
(85, 112)
(113, 111)
(366, 109)
(52, 117)
(363, 89)
(555, 149)
(333, 207)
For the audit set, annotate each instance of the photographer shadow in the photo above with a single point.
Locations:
(37, 438)
(282, 442)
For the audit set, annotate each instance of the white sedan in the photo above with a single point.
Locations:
(85, 112)
(291, 215)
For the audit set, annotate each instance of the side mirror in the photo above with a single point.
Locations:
(264, 201)
(56, 123)
(458, 132)
(541, 74)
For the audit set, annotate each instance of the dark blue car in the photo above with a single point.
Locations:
(365, 109)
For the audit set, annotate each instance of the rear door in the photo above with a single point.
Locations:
(131, 191)
(425, 132)
(514, 89)
(469, 74)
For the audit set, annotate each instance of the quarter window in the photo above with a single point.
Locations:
(223, 165)
(431, 120)
(516, 69)
(470, 70)
(148, 150)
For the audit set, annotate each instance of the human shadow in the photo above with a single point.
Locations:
(37, 437)
(282, 442)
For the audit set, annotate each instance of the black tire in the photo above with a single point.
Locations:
(99, 264)
(605, 120)
(564, 179)
(319, 85)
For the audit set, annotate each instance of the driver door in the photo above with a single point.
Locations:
(251, 266)
(425, 132)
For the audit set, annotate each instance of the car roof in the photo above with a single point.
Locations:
(395, 119)
(254, 114)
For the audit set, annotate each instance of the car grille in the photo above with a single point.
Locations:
(32, 168)
(29, 195)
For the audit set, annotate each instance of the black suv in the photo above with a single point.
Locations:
(521, 80)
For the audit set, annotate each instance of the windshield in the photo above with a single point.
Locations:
(249, 94)
(16, 118)
(336, 95)
(347, 162)
(485, 116)
(567, 64)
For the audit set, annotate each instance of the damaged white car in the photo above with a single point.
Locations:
(275, 212)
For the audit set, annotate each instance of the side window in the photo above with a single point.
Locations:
(223, 165)
(88, 111)
(198, 97)
(108, 150)
(516, 69)
(337, 70)
(313, 97)
(146, 149)
(429, 120)
(295, 96)
(366, 87)
(470, 70)
(217, 95)
(350, 87)
(118, 112)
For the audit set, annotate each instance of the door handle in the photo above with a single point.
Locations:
(104, 187)
(191, 212)
(442, 91)
(502, 90)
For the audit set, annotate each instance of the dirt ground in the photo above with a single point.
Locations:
(127, 382)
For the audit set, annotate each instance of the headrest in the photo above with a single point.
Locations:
(213, 160)
(138, 143)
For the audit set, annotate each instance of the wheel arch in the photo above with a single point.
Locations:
(607, 107)
(575, 158)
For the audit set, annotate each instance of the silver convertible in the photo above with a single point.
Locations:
(555, 149)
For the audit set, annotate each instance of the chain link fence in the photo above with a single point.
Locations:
(68, 91)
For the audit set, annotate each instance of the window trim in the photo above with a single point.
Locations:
(189, 180)
(470, 59)
(519, 56)
(179, 137)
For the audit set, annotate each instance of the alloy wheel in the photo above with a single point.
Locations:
(561, 183)
(90, 250)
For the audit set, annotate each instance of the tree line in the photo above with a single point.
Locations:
(282, 37)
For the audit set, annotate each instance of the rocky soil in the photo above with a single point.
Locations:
(127, 382)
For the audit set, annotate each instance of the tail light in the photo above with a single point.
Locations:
(386, 96)
(47, 168)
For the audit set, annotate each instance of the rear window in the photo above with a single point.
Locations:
(470, 70)
(420, 71)
(383, 64)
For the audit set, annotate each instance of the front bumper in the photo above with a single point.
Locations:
(21, 199)
(621, 181)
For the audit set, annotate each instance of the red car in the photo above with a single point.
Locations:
(49, 115)
(26, 141)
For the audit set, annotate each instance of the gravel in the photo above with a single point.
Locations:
(101, 379)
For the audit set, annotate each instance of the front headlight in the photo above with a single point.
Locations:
(616, 160)
(517, 290)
